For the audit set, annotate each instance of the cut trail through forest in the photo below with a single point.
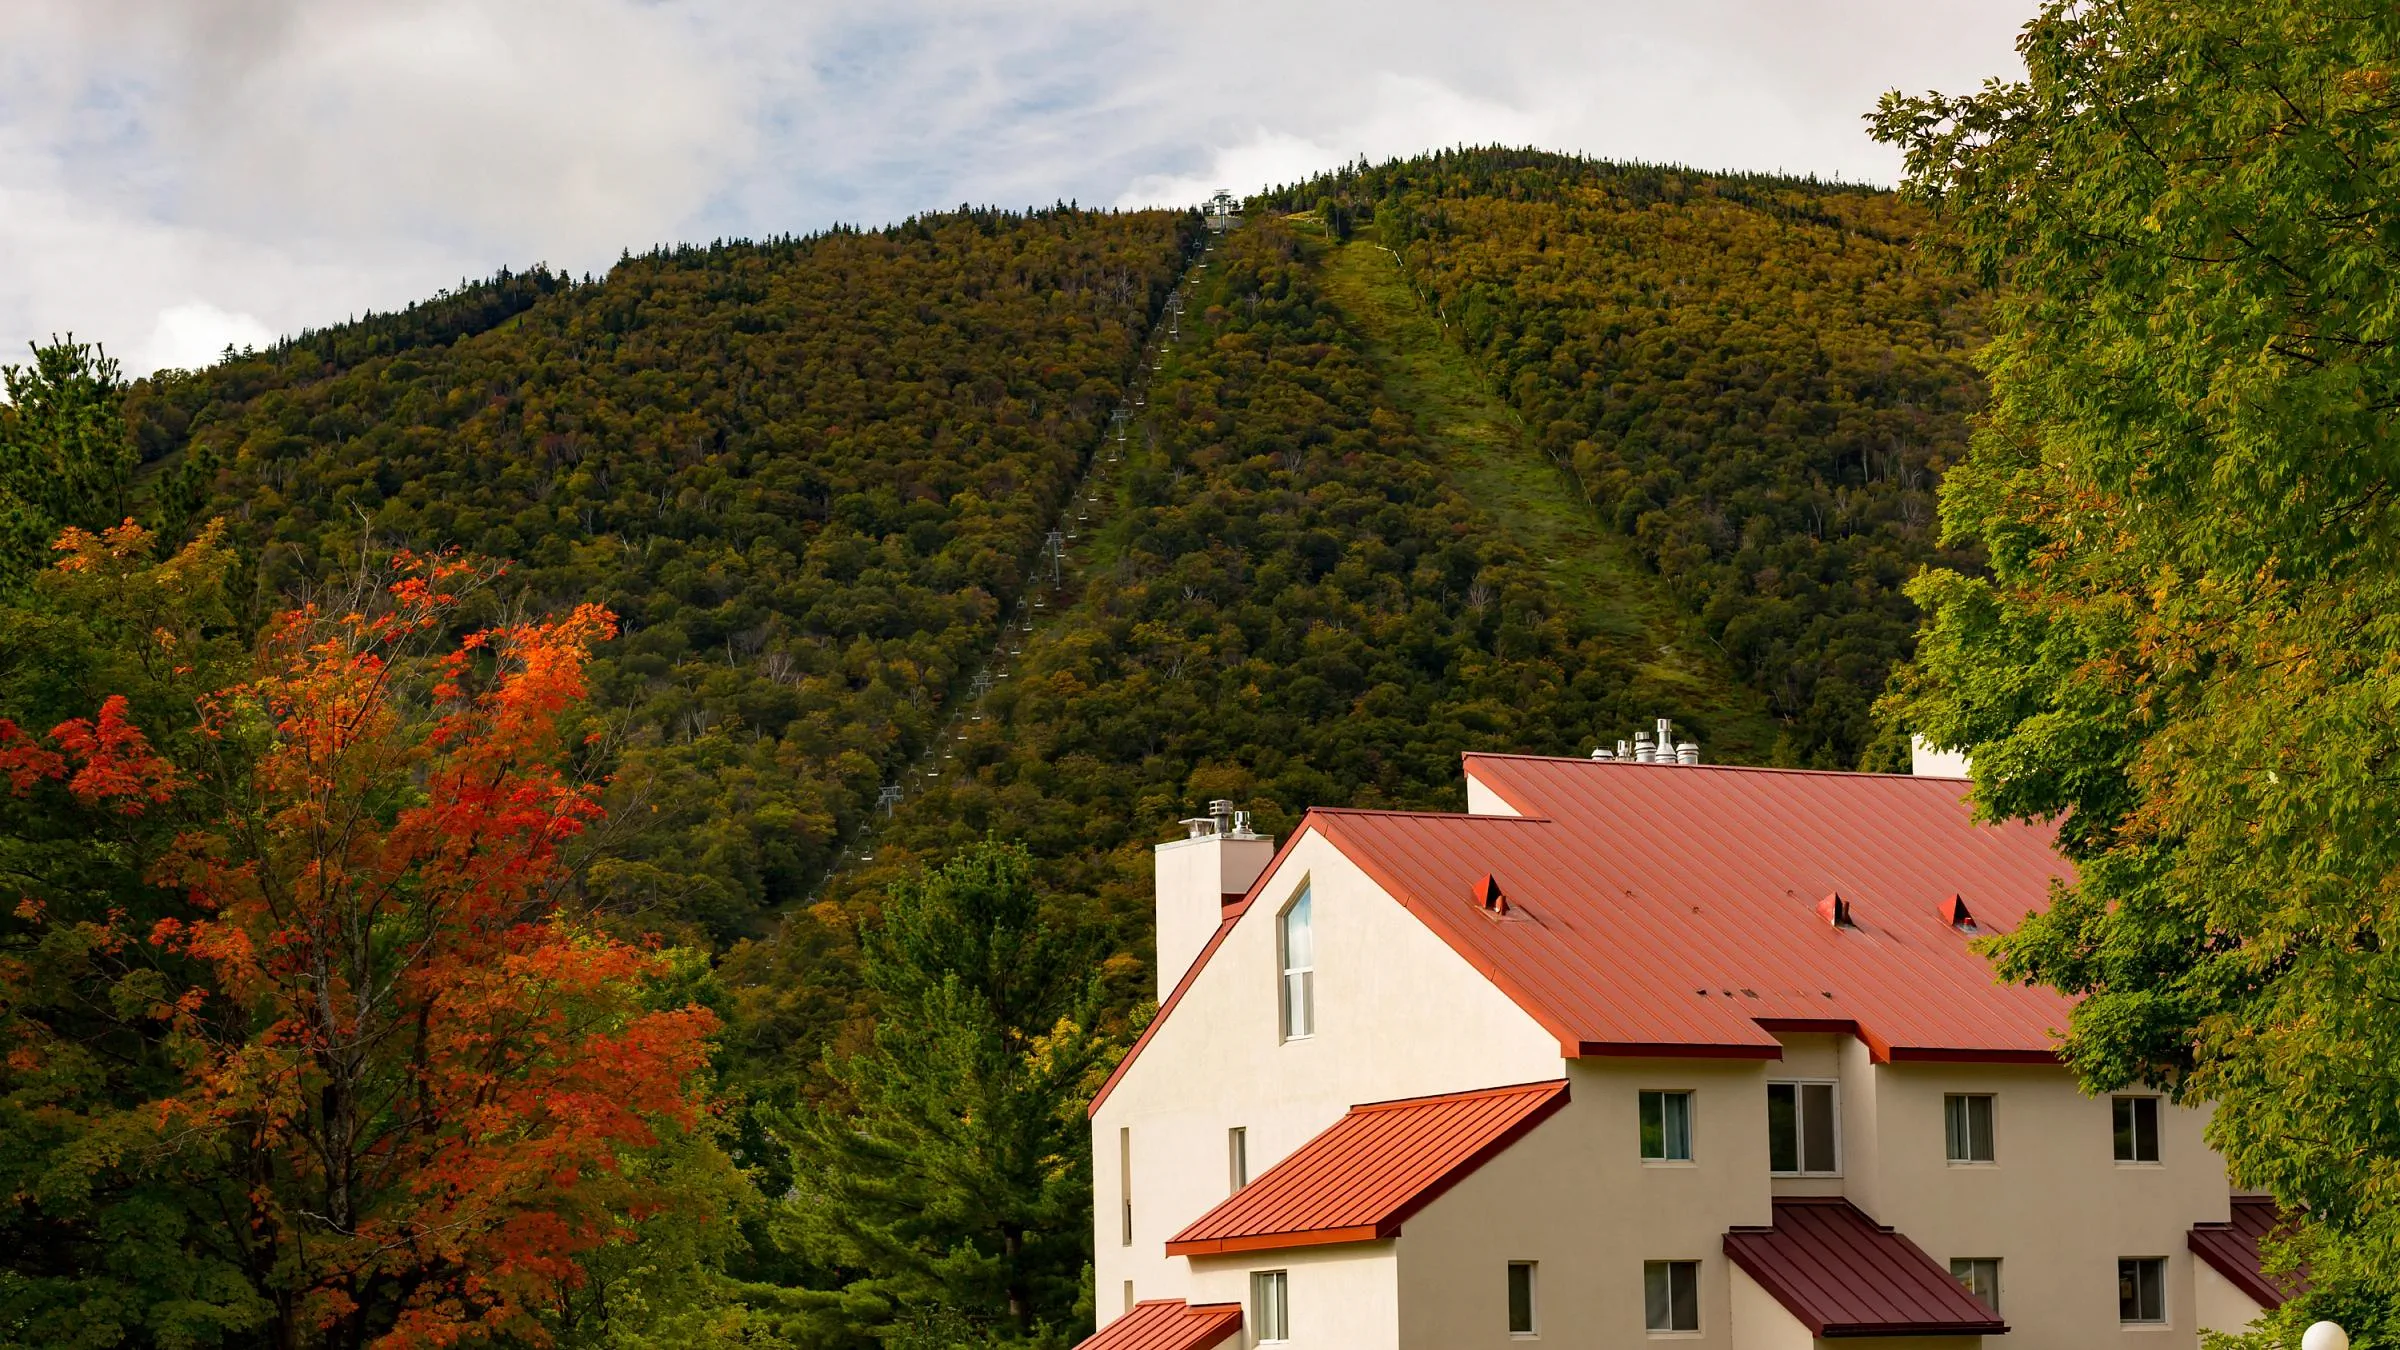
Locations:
(1591, 569)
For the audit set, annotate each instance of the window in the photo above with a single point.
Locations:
(1968, 1118)
(1237, 1158)
(1270, 1305)
(1125, 1182)
(1299, 971)
(1520, 1298)
(1801, 1130)
(2142, 1289)
(1129, 1296)
(2137, 1129)
(1671, 1295)
(1667, 1126)
(1980, 1275)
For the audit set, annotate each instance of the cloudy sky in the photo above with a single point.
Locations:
(180, 174)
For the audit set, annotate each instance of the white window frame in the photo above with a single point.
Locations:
(1951, 1136)
(2165, 1305)
(1237, 1158)
(1966, 1281)
(1271, 1291)
(1690, 1111)
(2158, 1129)
(1533, 1300)
(1800, 1125)
(1304, 1025)
(1671, 1331)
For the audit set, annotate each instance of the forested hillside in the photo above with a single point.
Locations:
(805, 474)
(1757, 380)
(1480, 451)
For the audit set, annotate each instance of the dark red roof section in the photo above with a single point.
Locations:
(1369, 1171)
(1841, 1273)
(1168, 1324)
(1671, 910)
(2231, 1249)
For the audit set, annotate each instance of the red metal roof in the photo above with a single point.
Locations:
(1843, 1274)
(1168, 1324)
(1673, 910)
(2232, 1250)
(1370, 1170)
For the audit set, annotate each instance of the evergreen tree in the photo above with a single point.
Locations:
(955, 1181)
(65, 459)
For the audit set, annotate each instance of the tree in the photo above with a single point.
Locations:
(65, 457)
(385, 1083)
(955, 1182)
(2186, 649)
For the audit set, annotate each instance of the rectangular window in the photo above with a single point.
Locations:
(1980, 1275)
(1671, 1295)
(1520, 1298)
(2137, 1128)
(1802, 1130)
(1968, 1121)
(1270, 1305)
(1129, 1296)
(1125, 1183)
(1667, 1126)
(1237, 1158)
(1299, 945)
(2142, 1289)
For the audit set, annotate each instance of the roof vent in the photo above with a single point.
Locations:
(1955, 913)
(1834, 910)
(1222, 821)
(1490, 897)
(1658, 747)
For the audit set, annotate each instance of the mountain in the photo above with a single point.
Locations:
(1482, 450)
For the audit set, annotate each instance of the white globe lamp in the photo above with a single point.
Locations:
(2325, 1336)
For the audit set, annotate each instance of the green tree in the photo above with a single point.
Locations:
(65, 458)
(955, 1182)
(2186, 648)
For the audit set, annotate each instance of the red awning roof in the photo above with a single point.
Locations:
(1371, 1170)
(1841, 1273)
(1168, 1324)
(2231, 1249)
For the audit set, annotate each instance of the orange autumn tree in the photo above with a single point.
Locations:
(416, 1066)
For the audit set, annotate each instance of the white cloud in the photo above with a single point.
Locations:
(173, 169)
(196, 334)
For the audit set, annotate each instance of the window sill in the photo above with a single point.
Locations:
(1672, 1335)
(1805, 1176)
(2140, 1167)
(1984, 1164)
(1676, 1164)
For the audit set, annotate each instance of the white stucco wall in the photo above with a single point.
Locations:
(1191, 878)
(1398, 1014)
(1340, 1298)
(2218, 1304)
(1482, 801)
(1576, 1197)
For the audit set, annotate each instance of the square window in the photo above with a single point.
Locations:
(1671, 1295)
(1270, 1305)
(1968, 1127)
(1667, 1126)
(1520, 1298)
(1803, 1130)
(2136, 1128)
(1980, 1275)
(2142, 1289)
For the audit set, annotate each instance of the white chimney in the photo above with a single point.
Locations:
(1926, 760)
(1198, 876)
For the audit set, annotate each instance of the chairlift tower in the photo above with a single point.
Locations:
(982, 684)
(888, 799)
(1057, 544)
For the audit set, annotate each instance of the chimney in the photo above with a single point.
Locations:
(1211, 867)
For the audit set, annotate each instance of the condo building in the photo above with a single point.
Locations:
(1638, 1050)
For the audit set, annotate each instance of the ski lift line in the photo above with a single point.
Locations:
(993, 668)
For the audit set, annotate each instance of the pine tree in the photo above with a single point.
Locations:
(65, 457)
(955, 1181)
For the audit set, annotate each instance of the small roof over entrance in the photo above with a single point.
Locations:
(1371, 1170)
(1841, 1273)
(2231, 1249)
(1169, 1324)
